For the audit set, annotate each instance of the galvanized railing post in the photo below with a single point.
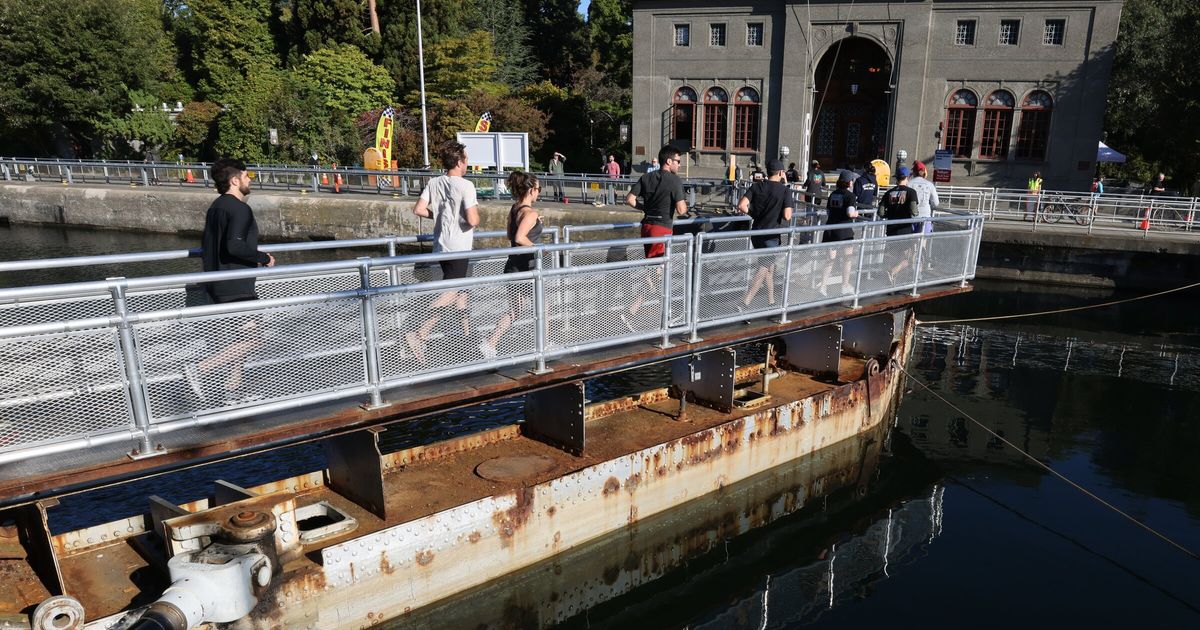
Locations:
(540, 316)
(393, 273)
(787, 278)
(136, 385)
(694, 315)
(967, 254)
(862, 254)
(370, 333)
(917, 267)
(666, 297)
(687, 279)
(1037, 212)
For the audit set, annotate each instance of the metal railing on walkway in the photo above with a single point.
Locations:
(128, 360)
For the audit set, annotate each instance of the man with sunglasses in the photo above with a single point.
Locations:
(659, 195)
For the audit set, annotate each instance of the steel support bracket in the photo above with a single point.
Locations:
(33, 533)
(707, 378)
(554, 415)
(356, 468)
(816, 351)
(872, 336)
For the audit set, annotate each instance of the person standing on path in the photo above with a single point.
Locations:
(612, 168)
(451, 202)
(654, 166)
(866, 189)
(557, 169)
(230, 243)
(524, 229)
(1034, 188)
(769, 205)
(660, 196)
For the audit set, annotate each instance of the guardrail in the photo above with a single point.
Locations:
(128, 360)
(580, 188)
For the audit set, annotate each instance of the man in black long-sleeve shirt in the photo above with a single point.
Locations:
(230, 233)
(230, 242)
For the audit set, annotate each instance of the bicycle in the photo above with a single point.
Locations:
(1055, 208)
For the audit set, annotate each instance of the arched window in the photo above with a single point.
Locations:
(997, 125)
(745, 119)
(716, 104)
(1035, 126)
(683, 117)
(960, 122)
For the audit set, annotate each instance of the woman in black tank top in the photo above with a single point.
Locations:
(524, 230)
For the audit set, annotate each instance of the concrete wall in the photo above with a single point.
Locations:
(280, 216)
(928, 67)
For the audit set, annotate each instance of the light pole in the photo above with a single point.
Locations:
(421, 66)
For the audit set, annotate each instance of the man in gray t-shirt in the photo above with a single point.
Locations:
(450, 201)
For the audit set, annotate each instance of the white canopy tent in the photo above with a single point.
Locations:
(1108, 154)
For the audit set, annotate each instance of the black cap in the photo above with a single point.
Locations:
(774, 166)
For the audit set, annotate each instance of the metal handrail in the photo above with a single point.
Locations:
(131, 390)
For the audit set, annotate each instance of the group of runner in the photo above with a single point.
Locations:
(231, 235)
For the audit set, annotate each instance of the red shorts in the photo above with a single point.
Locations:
(655, 250)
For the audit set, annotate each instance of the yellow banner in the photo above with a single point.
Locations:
(383, 137)
(484, 124)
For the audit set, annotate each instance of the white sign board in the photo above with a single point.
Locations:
(499, 150)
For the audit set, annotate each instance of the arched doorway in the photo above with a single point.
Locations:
(850, 116)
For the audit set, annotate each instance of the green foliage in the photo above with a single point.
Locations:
(146, 124)
(457, 66)
(347, 80)
(398, 49)
(610, 28)
(315, 24)
(561, 45)
(242, 128)
(194, 128)
(70, 67)
(232, 43)
(1153, 110)
(516, 65)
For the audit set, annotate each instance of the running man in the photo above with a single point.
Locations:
(769, 204)
(660, 196)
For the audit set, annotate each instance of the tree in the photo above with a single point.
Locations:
(347, 80)
(233, 41)
(242, 128)
(398, 45)
(1145, 94)
(70, 68)
(144, 129)
(195, 127)
(561, 45)
(461, 65)
(610, 27)
(504, 20)
(316, 24)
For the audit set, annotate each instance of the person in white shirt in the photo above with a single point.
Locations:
(451, 202)
(927, 196)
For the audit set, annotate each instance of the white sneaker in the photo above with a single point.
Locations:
(487, 350)
(628, 324)
(192, 374)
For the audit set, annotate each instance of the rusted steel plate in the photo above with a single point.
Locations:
(423, 400)
(518, 468)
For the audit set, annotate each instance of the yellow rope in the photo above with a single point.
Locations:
(1050, 470)
(1060, 310)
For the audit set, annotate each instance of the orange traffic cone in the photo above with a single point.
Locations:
(189, 178)
(324, 179)
(1145, 221)
(337, 180)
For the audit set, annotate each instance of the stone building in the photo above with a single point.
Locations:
(1010, 87)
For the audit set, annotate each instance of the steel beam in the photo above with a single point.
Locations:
(872, 335)
(356, 468)
(554, 415)
(707, 378)
(815, 351)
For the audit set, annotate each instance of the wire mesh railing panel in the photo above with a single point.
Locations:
(605, 254)
(680, 271)
(945, 257)
(588, 307)
(427, 331)
(822, 272)
(60, 386)
(892, 263)
(158, 300)
(44, 311)
(308, 285)
(726, 282)
(226, 361)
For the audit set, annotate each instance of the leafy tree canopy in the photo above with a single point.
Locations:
(347, 80)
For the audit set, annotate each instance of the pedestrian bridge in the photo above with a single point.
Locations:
(108, 379)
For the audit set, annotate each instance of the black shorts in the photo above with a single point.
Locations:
(454, 269)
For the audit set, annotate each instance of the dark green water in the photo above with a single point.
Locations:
(965, 531)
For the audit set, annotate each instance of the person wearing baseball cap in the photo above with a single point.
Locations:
(900, 203)
(927, 195)
(814, 184)
(840, 210)
(769, 205)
